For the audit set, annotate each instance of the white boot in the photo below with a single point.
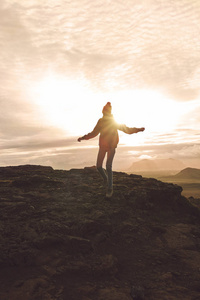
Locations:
(109, 193)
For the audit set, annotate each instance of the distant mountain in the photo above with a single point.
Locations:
(188, 173)
(152, 165)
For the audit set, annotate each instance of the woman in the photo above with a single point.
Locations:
(108, 140)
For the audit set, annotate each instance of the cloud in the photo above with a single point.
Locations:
(152, 45)
(58, 153)
(142, 44)
(189, 151)
(183, 150)
(191, 120)
(17, 49)
(114, 45)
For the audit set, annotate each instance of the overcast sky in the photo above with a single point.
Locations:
(61, 61)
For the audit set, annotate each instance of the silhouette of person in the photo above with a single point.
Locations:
(108, 140)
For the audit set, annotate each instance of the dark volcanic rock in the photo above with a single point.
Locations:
(61, 239)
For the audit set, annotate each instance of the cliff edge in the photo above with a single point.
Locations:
(61, 239)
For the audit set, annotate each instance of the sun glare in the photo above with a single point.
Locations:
(65, 103)
(73, 107)
(148, 109)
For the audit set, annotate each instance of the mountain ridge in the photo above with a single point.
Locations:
(149, 165)
(188, 173)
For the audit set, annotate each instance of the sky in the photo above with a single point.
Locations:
(62, 60)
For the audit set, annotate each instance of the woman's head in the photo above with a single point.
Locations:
(107, 109)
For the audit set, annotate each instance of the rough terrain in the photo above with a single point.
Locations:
(61, 239)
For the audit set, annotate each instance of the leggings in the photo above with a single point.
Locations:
(100, 158)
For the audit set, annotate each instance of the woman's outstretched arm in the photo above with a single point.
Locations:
(92, 134)
(130, 130)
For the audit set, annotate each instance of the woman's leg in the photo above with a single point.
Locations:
(110, 156)
(100, 158)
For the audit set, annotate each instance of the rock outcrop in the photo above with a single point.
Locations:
(61, 239)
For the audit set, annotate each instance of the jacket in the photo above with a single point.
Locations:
(108, 129)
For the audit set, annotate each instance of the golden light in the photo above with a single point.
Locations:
(70, 105)
(65, 103)
(149, 109)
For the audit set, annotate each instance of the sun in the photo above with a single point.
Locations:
(69, 104)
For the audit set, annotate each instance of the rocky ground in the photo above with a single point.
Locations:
(61, 239)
